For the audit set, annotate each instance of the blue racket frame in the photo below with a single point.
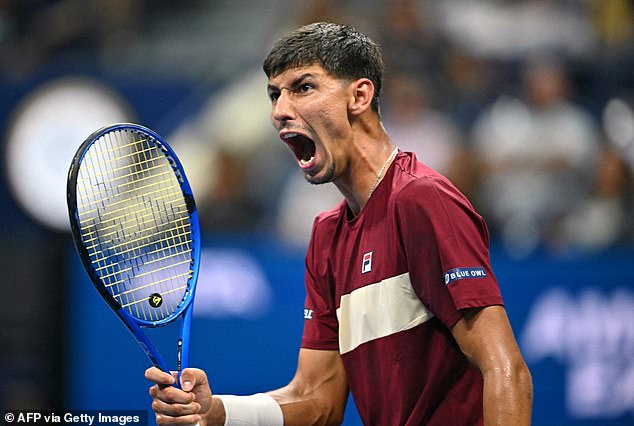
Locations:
(185, 309)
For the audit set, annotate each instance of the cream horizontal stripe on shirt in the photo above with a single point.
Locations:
(379, 310)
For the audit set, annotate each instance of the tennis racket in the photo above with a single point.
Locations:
(135, 226)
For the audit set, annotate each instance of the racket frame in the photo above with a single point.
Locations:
(185, 309)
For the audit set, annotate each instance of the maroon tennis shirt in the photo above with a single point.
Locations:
(385, 288)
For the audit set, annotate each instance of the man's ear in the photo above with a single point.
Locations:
(362, 92)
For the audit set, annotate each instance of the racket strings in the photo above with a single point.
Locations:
(98, 202)
(113, 166)
(135, 224)
(87, 230)
(115, 243)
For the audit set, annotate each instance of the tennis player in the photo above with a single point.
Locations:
(402, 307)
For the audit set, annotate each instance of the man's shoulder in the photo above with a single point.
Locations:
(330, 217)
(414, 177)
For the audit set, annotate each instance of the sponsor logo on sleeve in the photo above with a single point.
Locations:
(461, 273)
(308, 314)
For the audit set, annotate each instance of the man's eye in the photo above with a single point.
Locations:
(273, 96)
(306, 87)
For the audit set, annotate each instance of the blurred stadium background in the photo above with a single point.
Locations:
(528, 105)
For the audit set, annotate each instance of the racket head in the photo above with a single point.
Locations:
(135, 223)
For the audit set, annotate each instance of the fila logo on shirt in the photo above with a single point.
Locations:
(366, 264)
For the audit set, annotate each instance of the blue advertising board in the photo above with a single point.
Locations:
(573, 319)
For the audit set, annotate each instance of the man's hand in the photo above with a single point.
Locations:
(186, 406)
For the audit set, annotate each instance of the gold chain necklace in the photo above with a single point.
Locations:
(380, 175)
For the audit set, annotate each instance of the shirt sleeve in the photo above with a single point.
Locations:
(320, 316)
(446, 244)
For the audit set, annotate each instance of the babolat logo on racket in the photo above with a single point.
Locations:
(155, 300)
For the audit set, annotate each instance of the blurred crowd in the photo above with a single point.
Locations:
(527, 105)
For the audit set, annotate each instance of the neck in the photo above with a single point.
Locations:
(368, 162)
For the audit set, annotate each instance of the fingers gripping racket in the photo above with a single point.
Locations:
(135, 226)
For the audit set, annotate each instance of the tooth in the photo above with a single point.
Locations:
(304, 162)
(290, 135)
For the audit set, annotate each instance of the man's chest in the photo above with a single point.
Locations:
(364, 254)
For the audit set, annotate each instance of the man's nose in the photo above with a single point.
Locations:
(283, 107)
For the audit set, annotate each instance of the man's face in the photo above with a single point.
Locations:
(309, 111)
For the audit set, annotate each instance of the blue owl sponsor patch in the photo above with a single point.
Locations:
(461, 273)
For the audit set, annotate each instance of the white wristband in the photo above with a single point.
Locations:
(253, 410)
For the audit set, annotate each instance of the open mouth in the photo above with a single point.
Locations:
(302, 146)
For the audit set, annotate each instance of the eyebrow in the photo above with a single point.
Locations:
(296, 82)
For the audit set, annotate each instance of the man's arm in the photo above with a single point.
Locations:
(486, 338)
(317, 395)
